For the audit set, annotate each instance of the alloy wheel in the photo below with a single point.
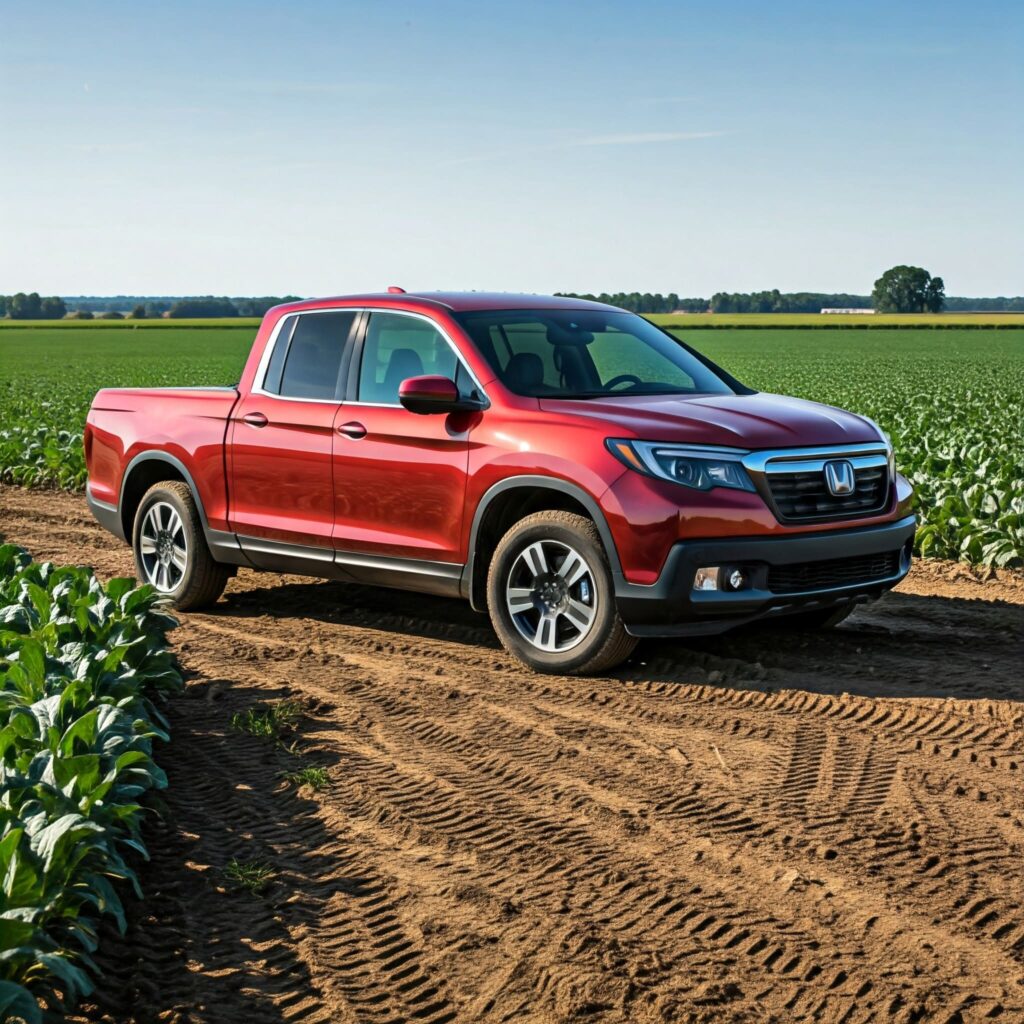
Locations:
(163, 548)
(551, 596)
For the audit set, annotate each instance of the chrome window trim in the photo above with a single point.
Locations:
(264, 363)
(261, 368)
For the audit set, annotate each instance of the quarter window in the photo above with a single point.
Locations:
(272, 380)
(312, 360)
(398, 347)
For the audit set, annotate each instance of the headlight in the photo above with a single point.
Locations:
(699, 468)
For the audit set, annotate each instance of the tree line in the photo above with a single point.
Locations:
(901, 289)
(643, 302)
(32, 306)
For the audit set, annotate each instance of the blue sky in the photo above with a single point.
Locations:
(320, 148)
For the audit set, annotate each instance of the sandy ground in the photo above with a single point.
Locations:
(769, 827)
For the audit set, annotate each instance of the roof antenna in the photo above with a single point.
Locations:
(393, 289)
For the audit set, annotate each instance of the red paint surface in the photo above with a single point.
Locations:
(410, 485)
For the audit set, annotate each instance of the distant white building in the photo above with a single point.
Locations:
(847, 311)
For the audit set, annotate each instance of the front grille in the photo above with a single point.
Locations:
(835, 572)
(805, 495)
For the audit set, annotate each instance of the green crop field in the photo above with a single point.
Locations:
(205, 323)
(952, 400)
(902, 321)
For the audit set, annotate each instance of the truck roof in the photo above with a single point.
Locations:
(456, 302)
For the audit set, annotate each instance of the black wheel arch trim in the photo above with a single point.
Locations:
(154, 455)
(540, 482)
(223, 545)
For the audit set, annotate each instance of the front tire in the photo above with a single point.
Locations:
(170, 548)
(551, 598)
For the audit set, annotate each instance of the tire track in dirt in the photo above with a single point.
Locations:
(433, 732)
(665, 845)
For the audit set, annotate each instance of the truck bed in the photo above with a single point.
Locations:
(187, 424)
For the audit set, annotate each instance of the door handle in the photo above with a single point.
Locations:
(255, 419)
(353, 430)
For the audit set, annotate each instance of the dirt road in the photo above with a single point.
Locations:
(772, 827)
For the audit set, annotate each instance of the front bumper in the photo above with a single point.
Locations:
(671, 607)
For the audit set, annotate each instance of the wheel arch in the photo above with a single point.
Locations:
(508, 501)
(144, 470)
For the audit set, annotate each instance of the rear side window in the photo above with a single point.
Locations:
(311, 355)
(398, 347)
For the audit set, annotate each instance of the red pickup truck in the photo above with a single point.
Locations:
(572, 469)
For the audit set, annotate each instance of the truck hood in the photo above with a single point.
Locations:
(736, 421)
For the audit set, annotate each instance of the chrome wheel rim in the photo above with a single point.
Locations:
(551, 597)
(163, 548)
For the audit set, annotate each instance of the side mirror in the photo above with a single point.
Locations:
(432, 394)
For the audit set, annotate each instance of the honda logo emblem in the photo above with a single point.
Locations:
(840, 478)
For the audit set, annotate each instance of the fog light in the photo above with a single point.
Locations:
(737, 579)
(706, 578)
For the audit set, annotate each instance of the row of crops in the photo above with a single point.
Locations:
(952, 401)
(83, 668)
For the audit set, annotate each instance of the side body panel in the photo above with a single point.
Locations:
(399, 490)
(281, 472)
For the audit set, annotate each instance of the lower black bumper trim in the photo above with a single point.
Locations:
(106, 515)
(670, 607)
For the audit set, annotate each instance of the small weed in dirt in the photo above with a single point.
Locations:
(248, 874)
(270, 721)
(314, 776)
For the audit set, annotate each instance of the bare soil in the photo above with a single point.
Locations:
(763, 827)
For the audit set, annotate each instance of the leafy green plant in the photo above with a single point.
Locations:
(951, 399)
(314, 776)
(251, 875)
(271, 721)
(83, 668)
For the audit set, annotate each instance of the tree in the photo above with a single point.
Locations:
(258, 305)
(203, 306)
(908, 290)
(25, 307)
(52, 308)
(139, 312)
(3, 305)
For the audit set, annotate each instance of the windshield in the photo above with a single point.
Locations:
(576, 353)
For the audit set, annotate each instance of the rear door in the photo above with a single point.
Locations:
(399, 477)
(281, 440)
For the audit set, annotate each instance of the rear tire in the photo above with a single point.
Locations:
(551, 597)
(170, 548)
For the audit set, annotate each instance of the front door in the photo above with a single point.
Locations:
(400, 477)
(281, 439)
